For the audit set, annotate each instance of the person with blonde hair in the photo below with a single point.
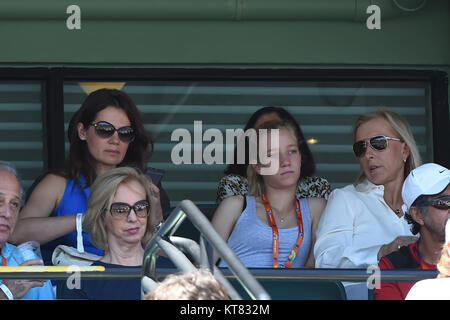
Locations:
(196, 285)
(270, 227)
(439, 288)
(309, 185)
(119, 219)
(364, 221)
(444, 262)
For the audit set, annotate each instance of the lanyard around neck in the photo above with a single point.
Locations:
(4, 262)
(276, 235)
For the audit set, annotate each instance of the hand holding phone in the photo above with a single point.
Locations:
(155, 175)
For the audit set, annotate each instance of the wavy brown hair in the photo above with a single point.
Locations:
(80, 161)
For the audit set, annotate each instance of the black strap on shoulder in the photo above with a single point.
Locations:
(245, 203)
(403, 259)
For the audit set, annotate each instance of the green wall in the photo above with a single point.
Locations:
(282, 33)
(226, 33)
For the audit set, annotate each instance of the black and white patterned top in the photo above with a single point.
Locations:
(308, 187)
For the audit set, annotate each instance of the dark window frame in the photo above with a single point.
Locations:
(53, 86)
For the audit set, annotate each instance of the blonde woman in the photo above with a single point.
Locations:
(310, 186)
(436, 289)
(196, 285)
(270, 228)
(119, 219)
(444, 262)
(365, 221)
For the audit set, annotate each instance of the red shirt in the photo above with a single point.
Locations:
(407, 257)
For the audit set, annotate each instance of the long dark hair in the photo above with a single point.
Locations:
(308, 166)
(79, 160)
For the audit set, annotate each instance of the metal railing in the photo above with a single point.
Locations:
(162, 239)
(201, 254)
(351, 275)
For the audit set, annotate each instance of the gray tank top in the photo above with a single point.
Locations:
(251, 239)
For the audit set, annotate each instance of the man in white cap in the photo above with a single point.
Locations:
(426, 194)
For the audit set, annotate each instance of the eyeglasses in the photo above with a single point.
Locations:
(106, 130)
(377, 143)
(442, 203)
(121, 210)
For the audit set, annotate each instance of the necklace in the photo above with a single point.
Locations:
(398, 211)
(282, 218)
(276, 235)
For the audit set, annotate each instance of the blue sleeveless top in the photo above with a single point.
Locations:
(74, 201)
(251, 239)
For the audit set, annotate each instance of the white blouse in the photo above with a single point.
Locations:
(354, 225)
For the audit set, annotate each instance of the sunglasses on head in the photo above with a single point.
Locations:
(121, 210)
(442, 203)
(106, 130)
(377, 143)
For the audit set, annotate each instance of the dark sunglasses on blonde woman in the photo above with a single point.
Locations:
(121, 210)
(106, 130)
(378, 143)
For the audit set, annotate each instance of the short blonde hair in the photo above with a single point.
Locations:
(444, 262)
(197, 285)
(255, 181)
(403, 130)
(101, 196)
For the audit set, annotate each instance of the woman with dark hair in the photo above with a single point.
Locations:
(106, 132)
(235, 182)
(80, 152)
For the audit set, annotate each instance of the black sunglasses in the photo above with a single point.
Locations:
(106, 130)
(377, 143)
(442, 203)
(121, 210)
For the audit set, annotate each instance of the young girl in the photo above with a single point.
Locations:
(270, 228)
(309, 186)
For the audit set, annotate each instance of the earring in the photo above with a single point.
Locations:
(404, 160)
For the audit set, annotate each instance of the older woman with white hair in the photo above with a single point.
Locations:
(119, 220)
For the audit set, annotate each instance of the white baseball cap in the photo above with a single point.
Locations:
(428, 179)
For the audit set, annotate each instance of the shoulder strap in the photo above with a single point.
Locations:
(402, 258)
(80, 246)
(244, 204)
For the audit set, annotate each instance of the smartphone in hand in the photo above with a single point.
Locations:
(155, 175)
